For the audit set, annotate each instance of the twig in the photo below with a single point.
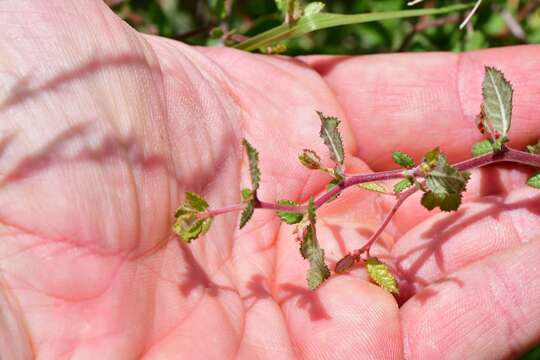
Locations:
(470, 15)
(508, 155)
(386, 221)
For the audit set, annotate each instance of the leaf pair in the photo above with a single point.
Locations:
(188, 225)
(404, 160)
(445, 184)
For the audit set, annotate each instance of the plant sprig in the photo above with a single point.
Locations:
(442, 184)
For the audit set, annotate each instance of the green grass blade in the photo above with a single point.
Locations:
(307, 24)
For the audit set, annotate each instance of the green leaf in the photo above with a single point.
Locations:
(190, 230)
(402, 185)
(497, 103)
(430, 158)
(534, 181)
(281, 4)
(331, 137)
(187, 224)
(345, 264)
(403, 159)
(446, 202)
(332, 184)
(371, 186)
(216, 33)
(534, 149)
(429, 201)
(482, 147)
(446, 179)
(217, 8)
(247, 213)
(254, 171)
(247, 195)
(310, 159)
(449, 202)
(381, 274)
(307, 24)
(289, 217)
(195, 202)
(313, 8)
(311, 211)
(309, 248)
(445, 183)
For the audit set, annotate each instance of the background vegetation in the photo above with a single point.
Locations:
(497, 23)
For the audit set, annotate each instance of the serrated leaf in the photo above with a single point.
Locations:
(431, 157)
(374, 187)
(289, 217)
(247, 213)
(450, 202)
(446, 202)
(429, 200)
(534, 149)
(446, 179)
(534, 181)
(310, 159)
(194, 202)
(309, 248)
(482, 147)
(331, 137)
(402, 185)
(187, 224)
(403, 159)
(254, 172)
(313, 8)
(381, 274)
(497, 103)
(345, 264)
(189, 228)
(247, 195)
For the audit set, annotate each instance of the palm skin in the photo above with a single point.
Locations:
(103, 129)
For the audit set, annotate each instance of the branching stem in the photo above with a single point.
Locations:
(400, 199)
(507, 155)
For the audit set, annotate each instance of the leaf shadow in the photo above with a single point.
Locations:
(197, 276)
(442, 231)
(22, 90)
(306, 299)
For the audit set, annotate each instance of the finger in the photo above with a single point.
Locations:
(347, 317)
(493, 180)
(449, 241)
(489, 310)
(278, 98)
(415, 102)
(78, 120)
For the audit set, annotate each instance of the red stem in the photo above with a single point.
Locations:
(401, 198)
(507, 155)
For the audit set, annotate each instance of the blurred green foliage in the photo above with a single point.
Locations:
(497, 23)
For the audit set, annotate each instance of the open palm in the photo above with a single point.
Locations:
(103, 129)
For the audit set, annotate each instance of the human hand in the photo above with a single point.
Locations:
(103, 129)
